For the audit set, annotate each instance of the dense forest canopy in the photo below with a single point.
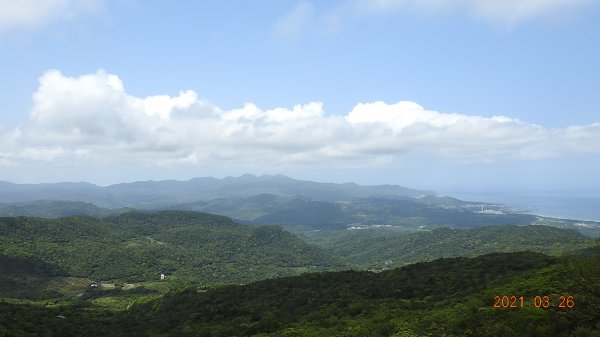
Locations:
(101, 276)
(191, 246)
(446, 297)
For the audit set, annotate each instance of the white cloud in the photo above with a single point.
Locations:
(162, 105)
(34, 13)
(300, 19)
(505, 12)
(304, 19)
(91, 121)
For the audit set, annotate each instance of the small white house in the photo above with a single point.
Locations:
(163, 277)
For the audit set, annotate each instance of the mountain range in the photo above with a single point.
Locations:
(274, 256)
(297, 205)
(152, 194)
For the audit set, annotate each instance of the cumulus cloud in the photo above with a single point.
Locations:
(92, 120)
(34, 13)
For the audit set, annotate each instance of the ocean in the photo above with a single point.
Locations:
(552, 204)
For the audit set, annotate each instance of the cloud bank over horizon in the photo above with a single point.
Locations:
(91, 121)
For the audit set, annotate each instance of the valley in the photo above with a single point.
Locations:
(280, 264)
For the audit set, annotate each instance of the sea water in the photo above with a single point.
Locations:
(552, 204)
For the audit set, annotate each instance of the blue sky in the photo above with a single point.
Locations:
(442, 94)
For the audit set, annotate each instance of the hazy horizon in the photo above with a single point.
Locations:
(567, 204)
(465, 96)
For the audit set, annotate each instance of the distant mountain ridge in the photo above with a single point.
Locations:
(296, 212)
(57, 209)
(156, 193)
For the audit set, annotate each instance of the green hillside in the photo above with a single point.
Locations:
(56, 209)
(446, 297)
(207, 249)
(136, 247)
(27, 277)
(381, 248)
(301, 212)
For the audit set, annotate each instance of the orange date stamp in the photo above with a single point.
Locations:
(539, 301)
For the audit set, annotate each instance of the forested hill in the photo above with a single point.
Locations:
(301, 212)
(57, 209)
(187, 246)
(447, 297)
(383, 249)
